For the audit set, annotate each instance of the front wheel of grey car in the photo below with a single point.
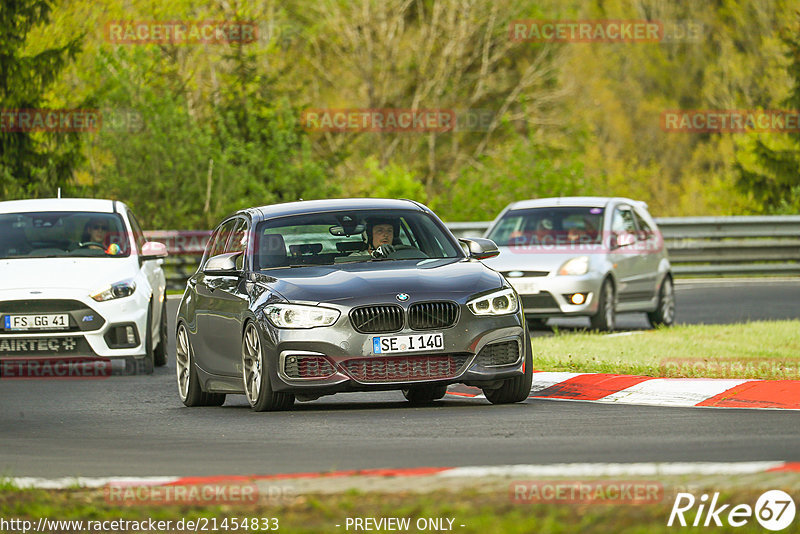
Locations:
(255, 375)
(664, 315)
(424, 394)
(515, 389)
(605, 318)
(189, 389)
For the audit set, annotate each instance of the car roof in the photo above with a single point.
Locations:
(59, 204)
(591, 202)
(316, 206)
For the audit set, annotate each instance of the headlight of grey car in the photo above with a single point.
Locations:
(300, 316)
(575, 266)
(503, 302)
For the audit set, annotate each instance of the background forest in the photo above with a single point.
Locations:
(192, 132)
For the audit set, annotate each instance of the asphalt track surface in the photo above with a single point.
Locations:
(136, 425)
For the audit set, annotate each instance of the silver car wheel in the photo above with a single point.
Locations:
(668, 302)
(608, 302)
(252, 364)
(183, 362)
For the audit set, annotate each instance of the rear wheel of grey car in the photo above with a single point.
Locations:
(255, 375)
(665, 313)
(189, 389)
(605, 318)
(160, 352)
(424, 394)
(515, 389)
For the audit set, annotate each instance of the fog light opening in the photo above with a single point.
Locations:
(578, 298)
(130, 335)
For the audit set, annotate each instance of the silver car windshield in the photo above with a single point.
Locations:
(549, 226)
(350, 236)
(59, 234)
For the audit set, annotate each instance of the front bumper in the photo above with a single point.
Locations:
(92, 325)
(551, 294)
(341, 359)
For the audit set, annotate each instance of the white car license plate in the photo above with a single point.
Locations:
(523, 286)
(412, 343)
(36, 322)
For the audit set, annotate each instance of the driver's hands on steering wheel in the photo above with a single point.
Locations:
(383, 251)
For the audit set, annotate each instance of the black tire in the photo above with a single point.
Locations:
(160, 352)
(189, 389)
(664, 315)
(424, 394)
(606, 317)
(515, 389)
(144, 366)
(255, 375)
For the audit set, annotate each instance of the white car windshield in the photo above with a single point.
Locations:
(62, 234)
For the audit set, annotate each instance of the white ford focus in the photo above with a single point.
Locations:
(78, 280)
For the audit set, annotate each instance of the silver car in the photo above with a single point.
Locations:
(584, 256)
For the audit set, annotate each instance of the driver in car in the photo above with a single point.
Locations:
(381, 233)
(95, 235)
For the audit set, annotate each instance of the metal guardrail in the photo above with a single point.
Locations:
(697, 246)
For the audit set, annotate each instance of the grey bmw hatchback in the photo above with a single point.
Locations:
(312, 298)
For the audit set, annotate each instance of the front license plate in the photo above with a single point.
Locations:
(36, 322)
(412, 343)
(524, 287)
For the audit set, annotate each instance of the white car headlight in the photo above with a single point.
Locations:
(115, 291)
(300, 316)
(575, 266)
(503, 302)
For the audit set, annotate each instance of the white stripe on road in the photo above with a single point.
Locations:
(633, 469)
(88, 482)
(672, 391)
(545, 379)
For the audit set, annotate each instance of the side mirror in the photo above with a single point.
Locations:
(153, 251)
(479, 248)
(222, 265)
(621, 239)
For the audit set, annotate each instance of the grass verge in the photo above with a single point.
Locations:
(471, 511)
(766, 350)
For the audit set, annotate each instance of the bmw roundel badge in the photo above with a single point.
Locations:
(402, 297)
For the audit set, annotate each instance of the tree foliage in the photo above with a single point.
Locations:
(194, 131)
(32, 163)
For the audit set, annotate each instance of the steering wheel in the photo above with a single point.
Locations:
(387, 251)
(86, 244)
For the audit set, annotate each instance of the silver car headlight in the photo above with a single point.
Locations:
(119, 290)
(300, 316)
(503, 302)
(575, 266)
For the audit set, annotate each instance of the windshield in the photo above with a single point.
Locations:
(350, 236)
(549, 226)
(58, 234)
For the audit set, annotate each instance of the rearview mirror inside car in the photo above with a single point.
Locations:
(341, 231)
